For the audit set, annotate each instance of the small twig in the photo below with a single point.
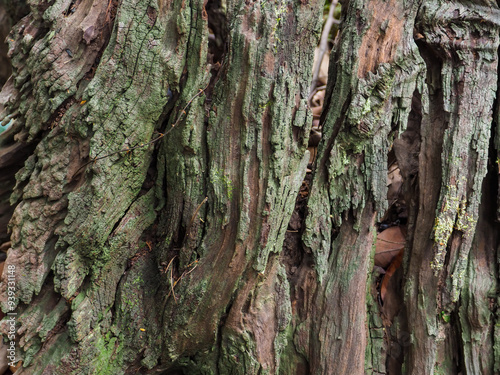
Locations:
(190, 264)
(173, 282)
(323, 46)
(191, 270)
(171, 277)
(172, 285)
(192, 220)
(169, 263)
(317, 89)
(142, 145)
(392, 170)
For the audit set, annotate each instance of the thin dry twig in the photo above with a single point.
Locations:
(171, 278)
(188, 230)
(323, 46)
(173, 282)
(191, 270)
(169, 263)
(316, 90)
(172, 285)
(392, 170)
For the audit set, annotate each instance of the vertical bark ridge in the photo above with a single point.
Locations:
(255, 164)
(369, 98)
(455, 129)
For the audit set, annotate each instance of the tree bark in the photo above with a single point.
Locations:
(162, 220)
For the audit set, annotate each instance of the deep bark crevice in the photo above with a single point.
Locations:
(13, 155)
(328, 143)
(217, 39)
(487, 238)
(295, 256)
(10, 13)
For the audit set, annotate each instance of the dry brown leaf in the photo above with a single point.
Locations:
(16, 367)
(394, 182)
(318, 98)
(396, 263)
(389, 243)
(312, 154)
(316, 111)
(5, 246)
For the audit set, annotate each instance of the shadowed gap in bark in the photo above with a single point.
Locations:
(10, 13)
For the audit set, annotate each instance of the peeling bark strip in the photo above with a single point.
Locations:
(170, 258)
(386, 20)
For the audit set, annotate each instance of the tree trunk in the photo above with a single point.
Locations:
(162, 220)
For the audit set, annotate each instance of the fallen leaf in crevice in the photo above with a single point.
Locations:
(396, 263)
(317, 103)
(389, 243)
(394, 183)
(16, 367)
(5, 246)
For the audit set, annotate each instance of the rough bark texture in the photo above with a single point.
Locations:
(159, 147)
